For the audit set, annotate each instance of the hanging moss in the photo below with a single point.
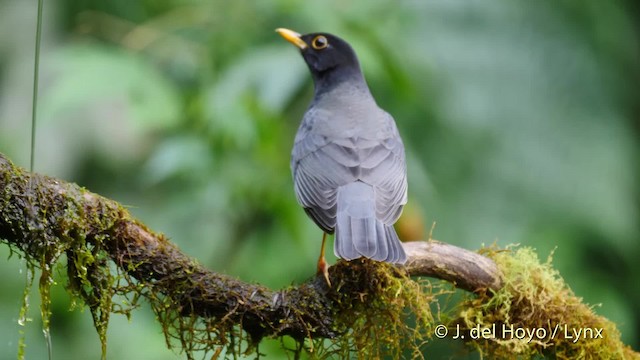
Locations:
(51, 225)
(379, 312)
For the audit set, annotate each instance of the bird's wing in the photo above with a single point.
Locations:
(384, 167)
(316, 175)
(320, 165)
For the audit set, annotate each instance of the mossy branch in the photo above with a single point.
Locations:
(44, 218)
(39, 213)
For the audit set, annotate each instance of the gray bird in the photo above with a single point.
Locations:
(348, 159)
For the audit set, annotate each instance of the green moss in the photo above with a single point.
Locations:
(536, 299)
(24, 310)
(54, 225)
(379, 312)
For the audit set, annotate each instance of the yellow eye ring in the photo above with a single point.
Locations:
(319, 42)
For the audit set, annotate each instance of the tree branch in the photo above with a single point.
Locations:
(44, 217)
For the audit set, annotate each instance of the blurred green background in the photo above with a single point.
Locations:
(521, 122)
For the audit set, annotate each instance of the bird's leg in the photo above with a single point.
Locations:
(322, 263)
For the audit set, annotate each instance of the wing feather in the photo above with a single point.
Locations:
(320, 165)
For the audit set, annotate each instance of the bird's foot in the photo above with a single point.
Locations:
(323, 269)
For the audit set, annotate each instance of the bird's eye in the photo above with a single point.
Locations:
(319, 42)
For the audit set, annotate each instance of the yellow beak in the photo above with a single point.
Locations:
(292, 37)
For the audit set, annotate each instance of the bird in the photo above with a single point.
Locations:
(348, 160)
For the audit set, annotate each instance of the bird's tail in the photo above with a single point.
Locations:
(359, 232)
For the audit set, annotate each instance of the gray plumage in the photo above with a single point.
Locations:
(348, 159)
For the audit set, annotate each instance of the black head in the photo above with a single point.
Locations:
(330, 59)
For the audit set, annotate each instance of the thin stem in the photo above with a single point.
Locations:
(34, 111)
(36, 72)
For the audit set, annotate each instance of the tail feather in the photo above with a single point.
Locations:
(359, 232)
(363, 236)
(342, 247)
(383, 246)
(396, 251)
